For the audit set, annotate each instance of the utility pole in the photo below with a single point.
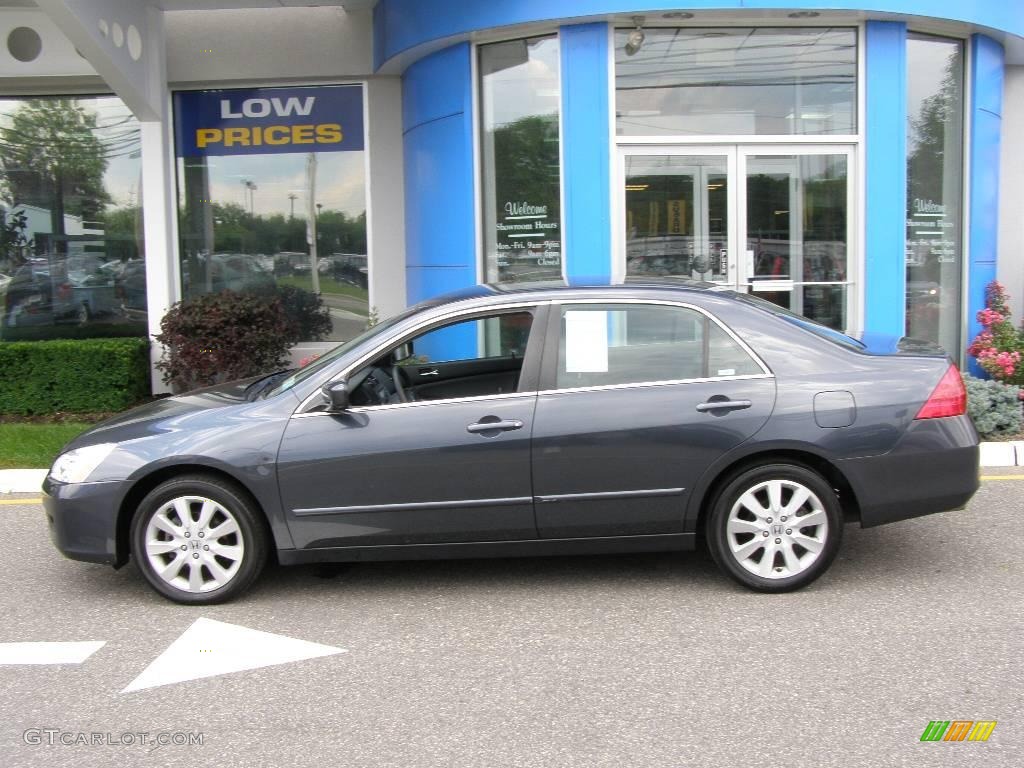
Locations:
(292, 197)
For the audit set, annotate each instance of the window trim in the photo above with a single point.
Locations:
(549, 365)
(531, 359)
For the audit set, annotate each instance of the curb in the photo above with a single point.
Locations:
(1008, 454)
(21, 480)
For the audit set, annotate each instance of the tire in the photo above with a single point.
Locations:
(211, 568)
(764, 502)
(83, 314)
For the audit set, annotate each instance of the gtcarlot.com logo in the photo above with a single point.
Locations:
(958, 730)
(50, 737)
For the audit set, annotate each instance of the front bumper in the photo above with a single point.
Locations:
(83, 519)
(934, 468)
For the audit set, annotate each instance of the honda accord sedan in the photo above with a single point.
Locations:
(530, 420)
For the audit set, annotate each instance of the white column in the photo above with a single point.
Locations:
(1011, 192)
(385, 196)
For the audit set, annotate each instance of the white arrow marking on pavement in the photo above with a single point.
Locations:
(48, 653)
(209, 648)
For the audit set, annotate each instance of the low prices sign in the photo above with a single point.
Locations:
(268, 120)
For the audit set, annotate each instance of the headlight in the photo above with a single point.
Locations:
(76, 466)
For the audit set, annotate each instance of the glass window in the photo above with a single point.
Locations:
(736, 81)
(479, 357)
(479, 339)
(935, 106)
(609, 344)
(272, 199)
(71, 237)
(519, 107)
(797, 231)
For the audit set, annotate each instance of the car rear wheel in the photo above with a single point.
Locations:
(198, 540)
(775, 528)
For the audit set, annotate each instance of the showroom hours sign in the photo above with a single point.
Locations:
(931, 234)
(527, 234)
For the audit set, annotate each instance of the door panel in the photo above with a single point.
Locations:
(677, 215)
(642, 447)
(464, 378)
(410, 474)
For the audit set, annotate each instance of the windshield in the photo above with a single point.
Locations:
(329, 357)
(830, 334)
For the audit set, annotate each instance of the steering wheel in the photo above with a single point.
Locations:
(396, 377)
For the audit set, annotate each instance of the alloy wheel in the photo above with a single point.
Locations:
(777, 529)
(194, 544)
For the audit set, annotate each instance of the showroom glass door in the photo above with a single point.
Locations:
(775, 220)
(679, 213)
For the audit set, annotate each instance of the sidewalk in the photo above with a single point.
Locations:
(1009, 454)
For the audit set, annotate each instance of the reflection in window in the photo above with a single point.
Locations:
(739, 81)
(521, 170)
(935, 69)
(71, 243)
(283, 212)
(797, 232)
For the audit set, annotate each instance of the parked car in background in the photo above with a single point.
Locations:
(530, 420)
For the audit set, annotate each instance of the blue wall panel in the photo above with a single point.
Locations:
(586, 147)
(986, 109)
(885, 274)
(401, 25)
(440, 240)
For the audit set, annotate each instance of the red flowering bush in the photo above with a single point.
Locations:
(999, 348)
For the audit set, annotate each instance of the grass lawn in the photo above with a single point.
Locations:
(327, 285)
(34, 446)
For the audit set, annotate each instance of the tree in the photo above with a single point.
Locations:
(53, 158)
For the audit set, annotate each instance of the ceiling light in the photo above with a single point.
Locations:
(804, 15)
(636, 37)
(677, 15)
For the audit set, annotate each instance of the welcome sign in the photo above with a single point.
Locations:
(256, 121)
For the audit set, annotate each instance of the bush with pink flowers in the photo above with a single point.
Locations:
(999, 348)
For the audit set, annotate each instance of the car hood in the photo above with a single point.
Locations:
(164, 414)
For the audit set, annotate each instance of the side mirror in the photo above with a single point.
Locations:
(335, 395)
(402, 352)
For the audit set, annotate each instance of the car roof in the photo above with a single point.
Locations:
(554, 289)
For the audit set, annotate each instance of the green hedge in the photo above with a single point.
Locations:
(79, 376)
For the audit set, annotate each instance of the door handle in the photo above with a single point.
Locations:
(723, 405)
(431, 372)
(495, 426)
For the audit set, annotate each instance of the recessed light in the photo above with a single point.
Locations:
(677, 15)
(804, 15)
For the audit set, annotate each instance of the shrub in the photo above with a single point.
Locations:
(223, 336)
(994, 407)
(79, 376)
(309, 318)
(999, 348)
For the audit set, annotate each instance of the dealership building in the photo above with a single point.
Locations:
(856, 161)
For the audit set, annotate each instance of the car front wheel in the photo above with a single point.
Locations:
(775, 528)
(198, 540)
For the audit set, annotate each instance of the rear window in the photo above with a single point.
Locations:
(822, 331)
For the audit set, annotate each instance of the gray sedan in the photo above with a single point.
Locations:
(530, 420)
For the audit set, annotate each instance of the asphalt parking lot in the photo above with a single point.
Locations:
(640, 660)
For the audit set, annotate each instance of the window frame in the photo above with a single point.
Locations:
(553, 340)
(528, 379)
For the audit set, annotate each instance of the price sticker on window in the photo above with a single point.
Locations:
(586, 342)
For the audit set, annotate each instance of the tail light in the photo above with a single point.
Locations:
(949, 398)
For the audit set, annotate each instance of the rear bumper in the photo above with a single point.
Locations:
(934, 468)
(83, 519)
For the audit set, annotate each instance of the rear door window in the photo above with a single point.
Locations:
(618, 344)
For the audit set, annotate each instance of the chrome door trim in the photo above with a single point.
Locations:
(413, 506)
